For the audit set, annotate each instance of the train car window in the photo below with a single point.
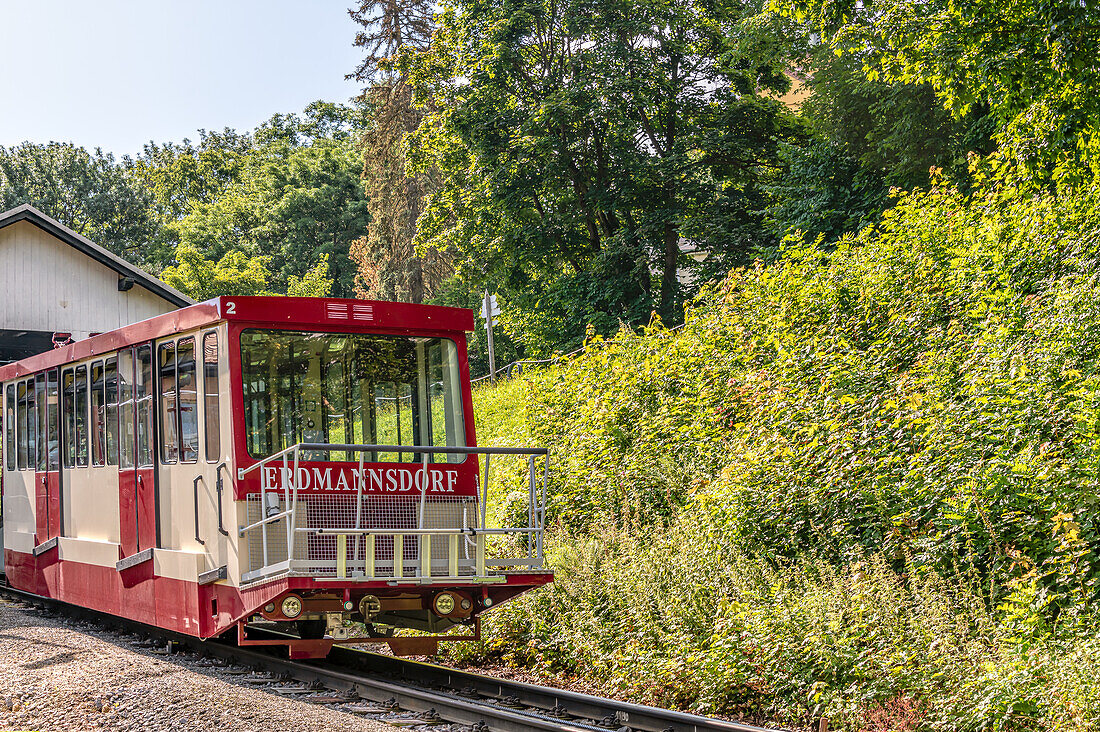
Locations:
(169, 403)
(40, 416)
(393, 407)
(444, 396)
(9, 427)
(337, 424)
(32, 426)
(21, 417)
(212, 396)
(126, 441)
(143, 402)
(53, 421)
(80, 407)
(68, 416)
(110, 383)
(188, 390)
(350, 387)
(99, 416)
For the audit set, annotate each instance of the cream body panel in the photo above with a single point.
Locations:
(52, 287)
(90, 504)
(185, 566)
(18, 541)
(19, 503)
(100, 553)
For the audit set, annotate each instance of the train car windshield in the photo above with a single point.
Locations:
(350, 388)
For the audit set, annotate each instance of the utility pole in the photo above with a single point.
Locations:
(487, 310)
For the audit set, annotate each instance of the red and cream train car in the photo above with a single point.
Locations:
(300, 461)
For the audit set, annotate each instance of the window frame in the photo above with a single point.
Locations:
(111, 427)
(127, 413)
(81, 401)
(27, 420)
(97, 413)
(460, 421)
(40, 447)
(171, 417)
(21, 424)
(53, 419)
(67, 388)
(10, 444)
(182, 416)
(207, 412)
(145, 406)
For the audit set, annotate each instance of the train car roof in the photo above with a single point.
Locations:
(320, 313)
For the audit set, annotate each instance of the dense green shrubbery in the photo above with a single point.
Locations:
(860, 482)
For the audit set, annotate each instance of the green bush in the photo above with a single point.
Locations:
(860, 482)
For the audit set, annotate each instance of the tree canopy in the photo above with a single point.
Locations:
(1031, 64)
(90, 192)
(582, 147)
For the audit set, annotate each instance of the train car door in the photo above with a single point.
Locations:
(48, 468)
(136, 489)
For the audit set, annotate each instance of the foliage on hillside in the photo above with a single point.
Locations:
(1029, 65)
(859, 483)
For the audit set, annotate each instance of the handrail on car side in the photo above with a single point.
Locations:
(218, 472)
(195, 485)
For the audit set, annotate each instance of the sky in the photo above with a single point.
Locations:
(116, 74)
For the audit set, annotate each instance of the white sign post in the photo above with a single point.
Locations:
(489, 310)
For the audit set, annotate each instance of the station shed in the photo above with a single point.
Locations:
(59, 285)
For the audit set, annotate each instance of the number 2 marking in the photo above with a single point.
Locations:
(231, 308)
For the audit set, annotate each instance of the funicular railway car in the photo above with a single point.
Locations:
(251, 462)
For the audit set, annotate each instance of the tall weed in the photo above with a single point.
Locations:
(860, 483)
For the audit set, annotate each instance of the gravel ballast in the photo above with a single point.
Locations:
(58, 673)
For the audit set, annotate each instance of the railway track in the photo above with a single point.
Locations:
(379, 685)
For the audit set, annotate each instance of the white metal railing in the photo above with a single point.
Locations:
(463, 550)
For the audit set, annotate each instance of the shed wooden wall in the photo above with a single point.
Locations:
(49, 286)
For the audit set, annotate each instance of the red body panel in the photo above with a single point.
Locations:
(137, 511)
(41, 508)
(47, 506)
(53, 502)
(146, 508)
(127, 511)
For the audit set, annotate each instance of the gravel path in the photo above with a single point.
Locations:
(62, 674)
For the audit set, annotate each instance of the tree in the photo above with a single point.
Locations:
(288, 195)
(314, 283)
(389, 264)
(582, 144)
(89, 192)
(1031, 64)
(312, 206)
(181, 174)
(897, 130)
(387, 26)
(868, 137)
(203, 278)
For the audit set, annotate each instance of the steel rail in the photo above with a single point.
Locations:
(465, 698)
(547, 700)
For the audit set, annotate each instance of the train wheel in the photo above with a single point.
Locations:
(312, 629)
